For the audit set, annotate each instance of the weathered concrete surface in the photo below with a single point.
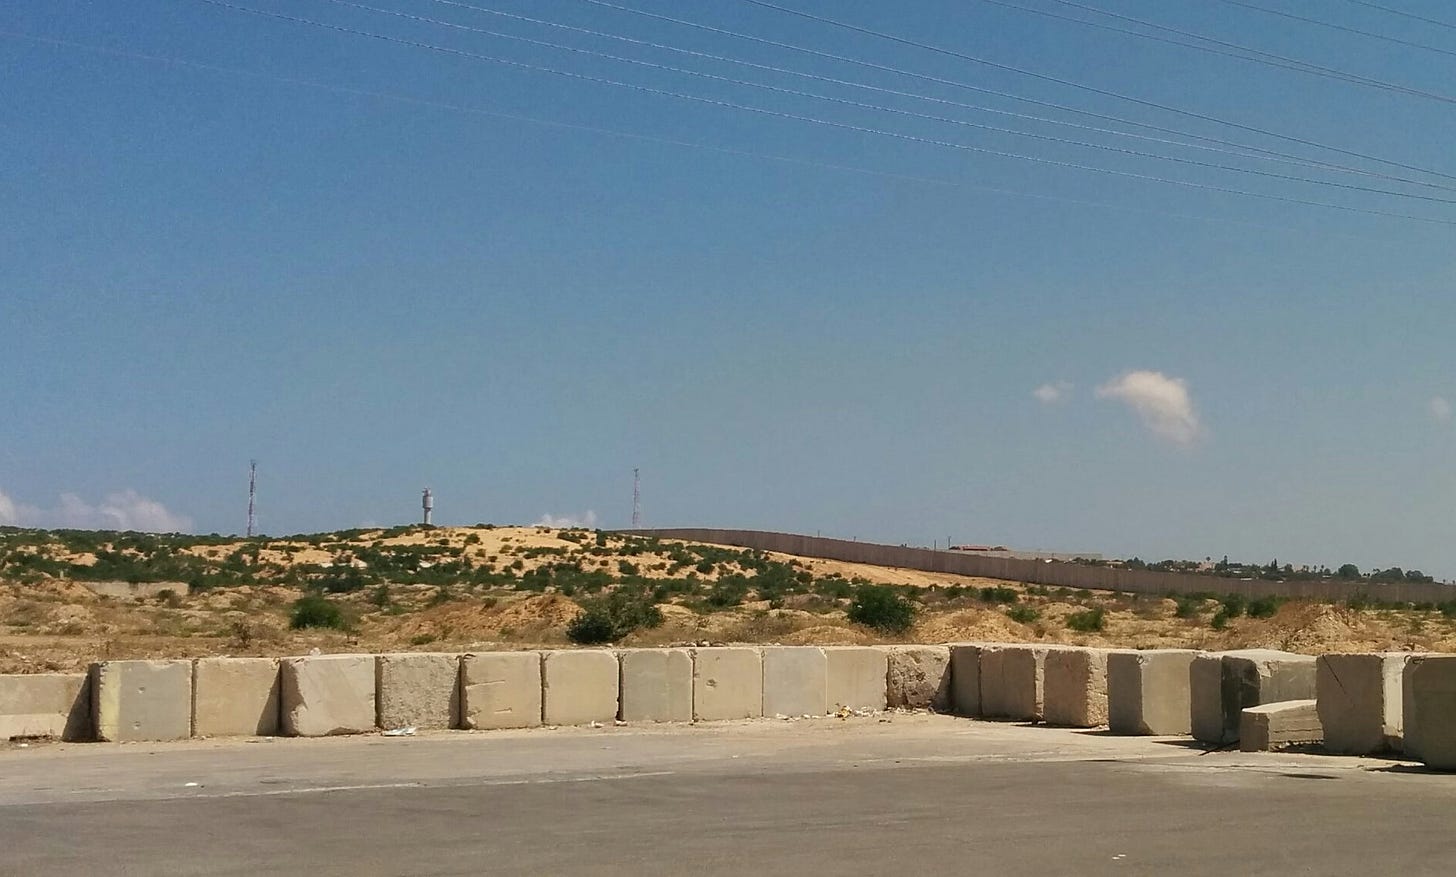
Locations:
(795, 681)
(578, 688)
(965, 678)
(46, 705)
(323, 695)
(657, 685)
(1223, 684)
(1359, 699)
(1012, 681)
(1272, 726)
(857, 677)
(418, 690)
(1074, 687)
(918, 677)
(500, 690)
(1430, 710)
(1147, 692)
(141, 700)
(235, 697)
(727, 684)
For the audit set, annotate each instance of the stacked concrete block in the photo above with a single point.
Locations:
(1360, 697)
(1147, 692)
(857, 677)
(1273, 726)
(418, 690)
(500, 690)
(727, 684)
(54, 705)
(1223, 684)
(579, 687)
(235, 697)
(656, 685)
(141, 700)
(1012, 681)
(795, 681)
(1430, 710)
(325, 695)
(918, 677)
(1074, 687)
(965, 678)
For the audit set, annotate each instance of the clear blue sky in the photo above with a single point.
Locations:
(199, 267)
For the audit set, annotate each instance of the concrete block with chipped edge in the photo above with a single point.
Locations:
(418, 690)
(327, 695)
(579, 687)
(142, 700)
(1359, 697)
(965, 678)
(235, 697)
(857, 677)
(1223, 684)
(1272, 726)
(795, 681)
(1012, 681)
(1147, 692)
(656, 685)
(1430, 710)
(55, 705)
(727, 683)
(500, 690)
(1074, 687)
(918, 677)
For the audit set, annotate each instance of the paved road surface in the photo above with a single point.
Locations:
(914, 795)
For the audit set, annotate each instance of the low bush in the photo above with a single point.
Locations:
(998, 594)
(1023, 614)
(879, 607)
(316, 611)
(1188, 607)
(1233, 605)
(1263, 607)
(608, 619)
(1090, 621)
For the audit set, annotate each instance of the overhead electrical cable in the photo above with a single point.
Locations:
(1401, 12)
(891, 110)
(817, 121)
(1340, 27)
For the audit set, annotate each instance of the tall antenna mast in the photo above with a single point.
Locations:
(636, 499)
(252, 495)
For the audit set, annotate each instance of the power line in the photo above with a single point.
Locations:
(892, 110)
(1239, 150)
(1340, 27)
(1401, 12)
(1091, 89)
(812, 120)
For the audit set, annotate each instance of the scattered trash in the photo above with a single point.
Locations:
(400, 732)
(315, 651)
(595, 725)
(619, 723)
(781, 717)
(24, 746)
(190, 785)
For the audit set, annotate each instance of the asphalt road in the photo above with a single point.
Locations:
(917, 794)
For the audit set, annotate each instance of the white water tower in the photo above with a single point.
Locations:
(428, 504)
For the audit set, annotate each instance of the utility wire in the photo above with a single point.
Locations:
(813, 120)
(1401, 12)
(1340, 27)
(1242, 152)
(1091, 89)
(629, 135)
(892, 110)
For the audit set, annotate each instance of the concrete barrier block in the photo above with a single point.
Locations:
(235, 697)
(1074, 687)
(1271, 726)
(1359, 698)
(500, 690)
(141, 700)
(418, 690)
(1430, 710)
(1147, 692)
(657, 685)
(795, 681)
(1223, 684)
(1012, 680)
(54, 705)
(918, 677)
(965, 678)
(579, 687)
(727, 684)
(324, 695)
(857, 677)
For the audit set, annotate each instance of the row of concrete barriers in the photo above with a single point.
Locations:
(1352, 703)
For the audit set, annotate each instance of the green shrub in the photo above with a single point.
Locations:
(1088, 621)
(1188, 607)
(592, 627)
(1233, 605)
(316, 611)
(1220, 619)
(998, 594)
(1263, 607)
(608, 619)
(879, 607)
(1023, 614)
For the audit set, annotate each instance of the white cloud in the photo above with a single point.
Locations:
(1439, 409)
(1161, 402)
(588, 520)
(1051, 394)
(125, 510)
